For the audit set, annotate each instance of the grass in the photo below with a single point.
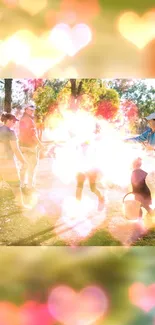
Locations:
(100, 237)
(13, 225)
(146, 240)
(17, 230)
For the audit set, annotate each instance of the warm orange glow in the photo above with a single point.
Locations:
(75, 11)
(15, 45)
(32, 7)
(103, 151)
(38, 55)
(11, 3)
(138, 30)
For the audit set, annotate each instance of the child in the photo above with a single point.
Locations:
(139, 186)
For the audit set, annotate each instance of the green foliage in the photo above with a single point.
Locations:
(95, 89)
(111, 95)
(93, 86)
(44, 97)
(64, 94)
(56, 84)
(88, 93)
(120, 85)
(92, 90)
(136, 91)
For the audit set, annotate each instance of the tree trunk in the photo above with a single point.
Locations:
(75, 93)
(8, 95)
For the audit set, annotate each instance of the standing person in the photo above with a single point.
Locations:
(18, 115)
(40, 126)
(91, 173)
(9, 149)
(147, 137)
(29, 143)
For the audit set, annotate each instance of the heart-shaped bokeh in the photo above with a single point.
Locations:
(40, 54)
(70, 40)
(142, 296)
(36, 54)
(138, 30)
(30, 313)
(71, 308)
(32, 7)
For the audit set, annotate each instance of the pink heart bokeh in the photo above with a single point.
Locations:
(33, 313)
(142, 296)
(30, 313)
(70, 40)
(71, 308)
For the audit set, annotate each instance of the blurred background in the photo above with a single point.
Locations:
(78, 39)
(31, 280)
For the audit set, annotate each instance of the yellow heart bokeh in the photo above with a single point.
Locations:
(39, 54)
(36, 54)
(17, 48)
(44, 56)
(33, 7)
(138, 30)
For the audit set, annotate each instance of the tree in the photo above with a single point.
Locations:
(56, 84)
(45, 99)
(108, 105)
(136, 91)
(76, 88)
(30, 86)
(55, 95)
(107, 110)
(88, 94)
(120, 85)
(137, 97)
(45, 94)
(8, 95)
(17, 92)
